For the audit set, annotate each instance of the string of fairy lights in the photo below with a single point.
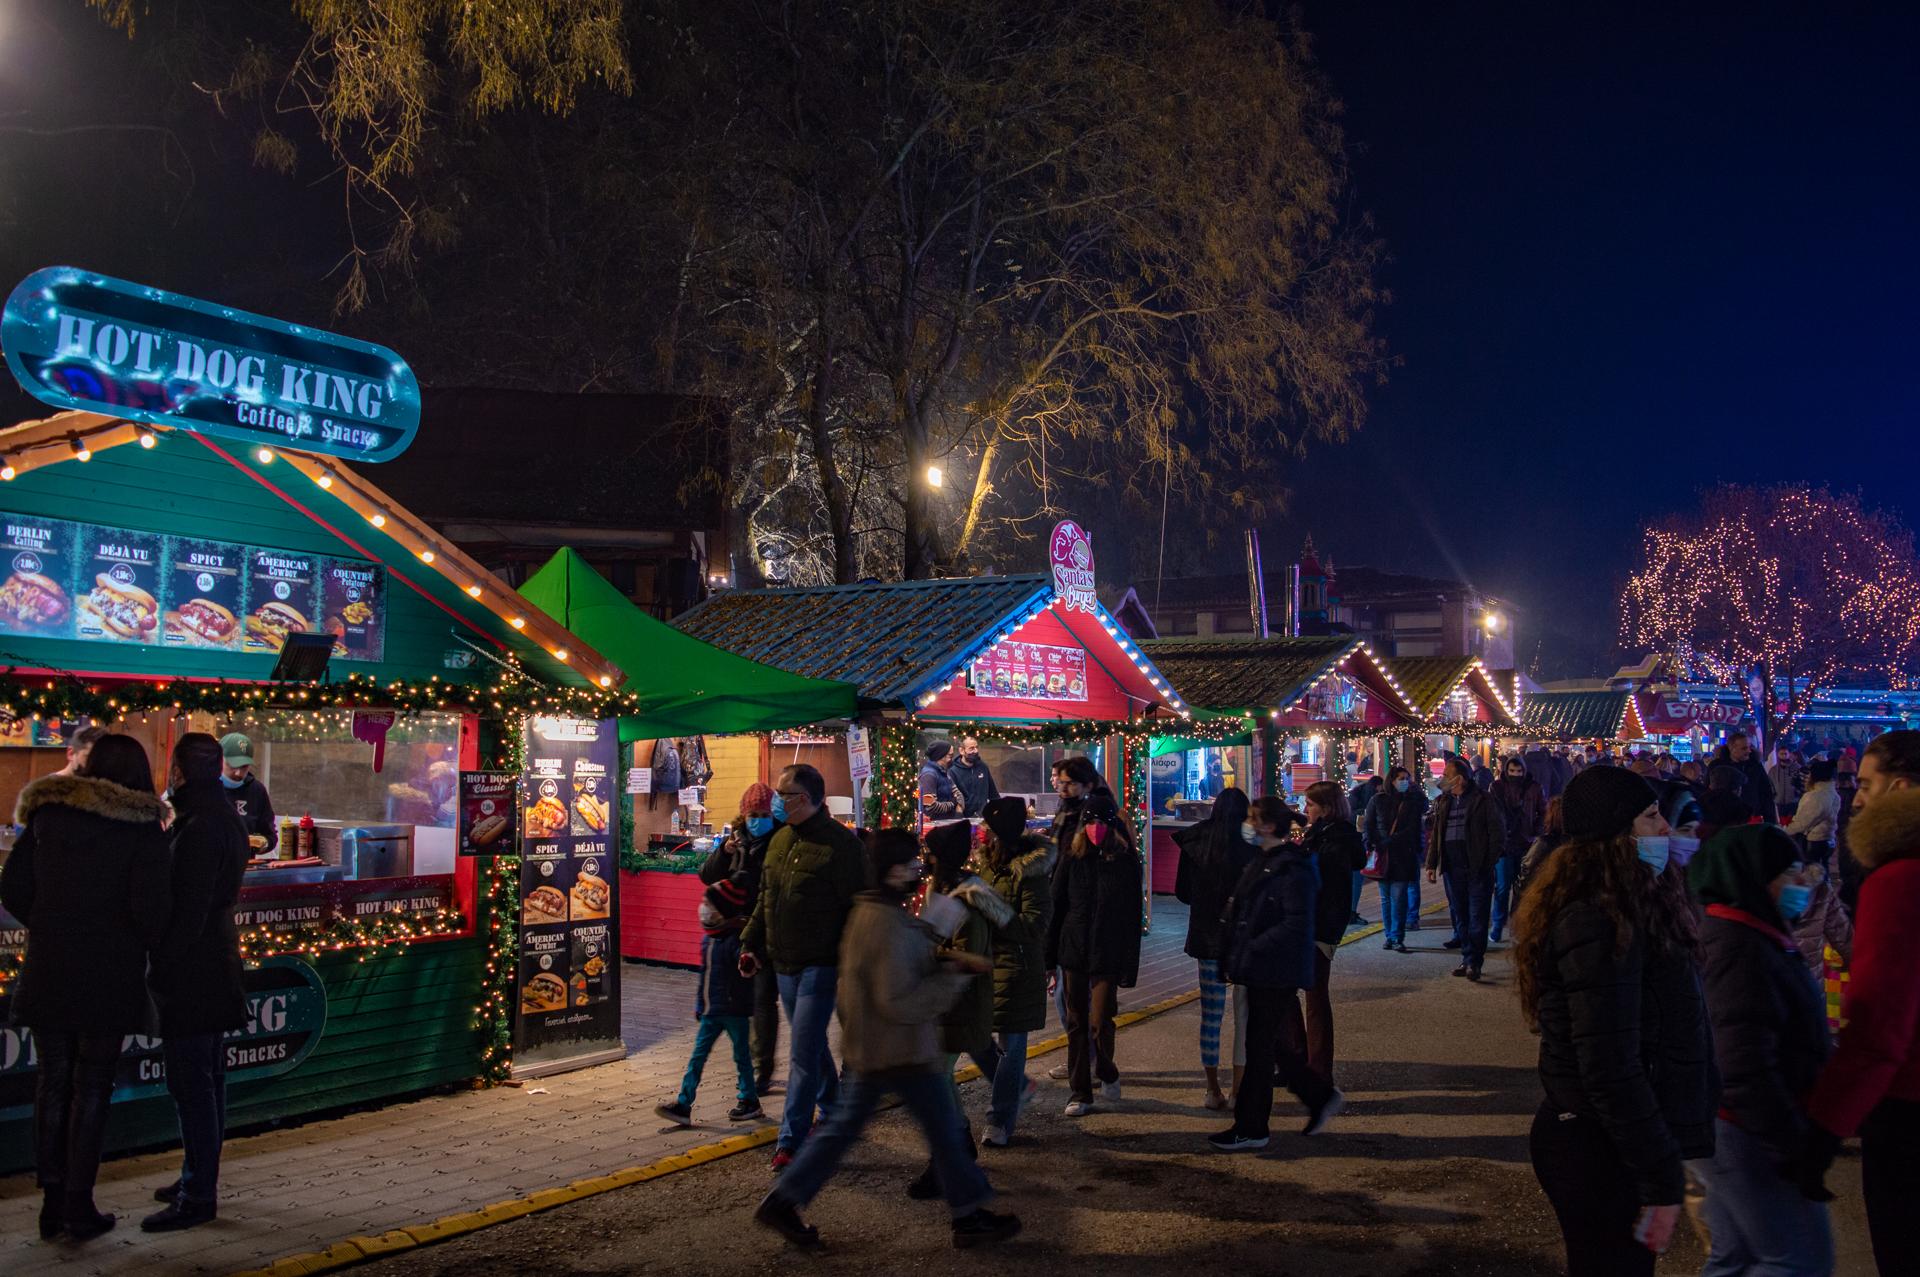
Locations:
(1794, 583)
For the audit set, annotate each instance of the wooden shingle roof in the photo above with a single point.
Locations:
(1229, 675)
(1582, 715)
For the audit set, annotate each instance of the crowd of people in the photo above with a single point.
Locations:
(1668, 923)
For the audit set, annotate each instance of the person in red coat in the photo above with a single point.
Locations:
(1872, 1084)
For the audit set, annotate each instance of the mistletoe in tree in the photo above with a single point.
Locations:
(1796, 584)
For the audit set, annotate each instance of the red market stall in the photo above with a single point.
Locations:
(1305, 701)
(1031, 671)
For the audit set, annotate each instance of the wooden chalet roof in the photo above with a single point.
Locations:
(1271, 673)
(1582, 716)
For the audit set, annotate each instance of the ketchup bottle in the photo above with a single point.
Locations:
(304, 843)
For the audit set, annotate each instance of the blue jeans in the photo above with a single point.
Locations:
(1396, 906)
(811, 1077)
(711, 1027)
(1359, 886)
(1761, 1225)
(1470, 896)
(1009, 1078)
(929, 1098)
(197, 1080)
(1505, 870)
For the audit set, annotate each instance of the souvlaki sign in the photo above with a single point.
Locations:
(75, 339)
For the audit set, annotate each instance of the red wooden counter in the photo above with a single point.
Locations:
(1166, 858)
(659, 916)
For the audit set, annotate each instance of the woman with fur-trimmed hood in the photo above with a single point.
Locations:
(1019, 867)
(92, 879)
(1872, 1083)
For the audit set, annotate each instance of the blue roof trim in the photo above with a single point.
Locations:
(943, 676)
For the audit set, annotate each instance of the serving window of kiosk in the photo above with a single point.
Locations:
(1023, 770)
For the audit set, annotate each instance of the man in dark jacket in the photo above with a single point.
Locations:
(1547, 771)
(938, 798)
(744, 853)
(1523, 809)
(1757, 792)
(815, 866)
(246, 793)
(1466, 841)
(972, 779)
(195, 976)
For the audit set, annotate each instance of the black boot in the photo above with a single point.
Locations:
(52, 1212)
(84, 1220)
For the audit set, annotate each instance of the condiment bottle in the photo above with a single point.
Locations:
(308, 836)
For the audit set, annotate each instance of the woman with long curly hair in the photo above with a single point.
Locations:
(1605, 949)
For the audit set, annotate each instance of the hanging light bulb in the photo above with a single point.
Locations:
(80, 449)
(518, 622)
(426, 556)
(6, 468)
(147, 437)
(265, 454)
(474, 590)
(378, 519)
(326, 478)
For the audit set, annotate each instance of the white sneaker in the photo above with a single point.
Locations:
(1058, 1072)
(1110, 1091)
(1326, 1112)
(1078, 1108)
(995, 1138)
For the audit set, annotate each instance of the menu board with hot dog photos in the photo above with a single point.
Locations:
(569, 995)
(96, 583)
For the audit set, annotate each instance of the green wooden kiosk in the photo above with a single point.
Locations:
(148, 579)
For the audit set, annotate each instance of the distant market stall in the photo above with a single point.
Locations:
(1458, 704)
(1301, 705)
(1576, 717)
(689, 690)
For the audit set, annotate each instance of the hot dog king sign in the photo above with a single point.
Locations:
(78, 340)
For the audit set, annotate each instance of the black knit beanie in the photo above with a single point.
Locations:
(938, 750)
(1601, 802)
(1007, 818)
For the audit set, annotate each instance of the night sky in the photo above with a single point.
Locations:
(1637, 249)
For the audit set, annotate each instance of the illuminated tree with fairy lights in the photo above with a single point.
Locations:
(1794, 583)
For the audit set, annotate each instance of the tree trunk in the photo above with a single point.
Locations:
(982, 489)
(920, 554)
(820, 439)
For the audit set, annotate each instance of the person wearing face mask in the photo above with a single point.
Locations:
(814, 868)
(1766, 1205)
(247, 794)
(1093, 941)
(1334, 844)
(1075, 780)
(742, 855)
(896, 985)
(1523, 808)
(1604, 952)
(1872, 1084)
(1467, 838)
(1393, 830)
(1826, 924)
(1213, 854)
(1271, 956)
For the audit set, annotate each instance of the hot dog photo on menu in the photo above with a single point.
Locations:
(121, 585)
(205, 606)
(36, 594)
(280, 598)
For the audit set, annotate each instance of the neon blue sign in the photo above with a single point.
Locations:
(75, 339)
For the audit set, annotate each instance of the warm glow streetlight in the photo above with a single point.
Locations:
(935, 476)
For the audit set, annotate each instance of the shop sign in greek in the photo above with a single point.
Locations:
(286, 1017)
(75, 339)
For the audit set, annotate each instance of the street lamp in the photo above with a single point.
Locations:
(1492, 622)
(935, 476)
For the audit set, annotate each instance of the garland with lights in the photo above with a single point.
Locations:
(500, 911)
(68, 696)
(366, 935)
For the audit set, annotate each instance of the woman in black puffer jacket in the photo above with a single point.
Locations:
(1213, 855)
(1093, 940)
(1334, 844)
(1766, 1205)
(92, 879)
(1605, 958)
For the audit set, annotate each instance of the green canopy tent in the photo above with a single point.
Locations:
(1181, 744)
(688, 688)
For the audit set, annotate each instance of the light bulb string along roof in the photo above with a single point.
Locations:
(62, 437)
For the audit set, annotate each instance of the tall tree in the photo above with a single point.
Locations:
(1796, 584)
(1038, 246)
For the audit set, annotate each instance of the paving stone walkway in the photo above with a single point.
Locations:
(303, 1188)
